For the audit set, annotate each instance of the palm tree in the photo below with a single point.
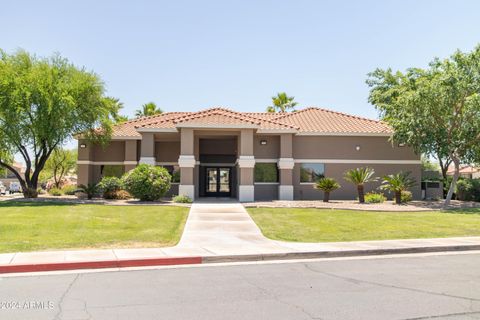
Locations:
(397, 183)
(359, 177)
(118, 105)
(282, 103)
(327, 185)
(148, 109)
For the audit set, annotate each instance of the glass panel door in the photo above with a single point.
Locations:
(224, 175)
(218, 182)
(211, 179)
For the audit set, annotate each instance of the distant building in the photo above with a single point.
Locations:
(467, 171)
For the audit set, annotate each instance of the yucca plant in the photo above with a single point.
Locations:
(397, 183)
(327, 185)
(359, 177)
(90, 190)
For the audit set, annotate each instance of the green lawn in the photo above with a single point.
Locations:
(322, 225)
(39, 226)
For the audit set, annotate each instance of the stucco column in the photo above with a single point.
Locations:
(285, 166)
(246, 165)
(186, 162)
(147, 150)
(84, 166)
(130, 155)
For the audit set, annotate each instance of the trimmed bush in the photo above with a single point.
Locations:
(147, 182)
(182, 199)
(55, 192)
(70, 190)
(373, 197)
(109, 186)
(468, 189)
(406, 196)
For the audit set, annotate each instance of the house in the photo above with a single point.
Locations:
(251, 155)
(467, 171)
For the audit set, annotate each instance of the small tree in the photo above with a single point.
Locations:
(282, 103)
(147, 182)
(327, 185)
(359, 177)
(397, 183)
(148, 109)
(60, 163)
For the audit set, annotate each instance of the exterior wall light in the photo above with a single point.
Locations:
(83, 146)
(357, 148)
(263, 142)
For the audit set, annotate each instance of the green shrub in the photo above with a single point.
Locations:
(91, 190)
(406, 196)
(108, 186)
(468, 189)
(69, 190)
(373, 197)
(147, 182)
(182, 199)
(55, 192)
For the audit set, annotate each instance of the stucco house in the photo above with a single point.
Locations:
(251, 155)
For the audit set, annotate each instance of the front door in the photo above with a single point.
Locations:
(218, 182)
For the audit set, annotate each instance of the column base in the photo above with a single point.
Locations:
(187, 190)
(285, 192)
(246, 193)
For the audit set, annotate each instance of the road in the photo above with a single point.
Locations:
(407, 287)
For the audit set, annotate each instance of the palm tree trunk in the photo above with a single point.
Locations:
(361, 193)
(326, 196)
(398, 197)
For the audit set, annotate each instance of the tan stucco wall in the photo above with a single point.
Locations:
(271, 150)
(246, 142)
(218, 146)
(286, 147)
(246, 176)
(371, 148)
(114, 151)
(148, 145)
(131, 150)
(348, 191)
(85, 153)
(167, 151)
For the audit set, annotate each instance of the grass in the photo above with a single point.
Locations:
(321, 225)
(29, 226)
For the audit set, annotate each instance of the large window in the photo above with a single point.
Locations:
(266, 172)
(311, 172)
(174, 172)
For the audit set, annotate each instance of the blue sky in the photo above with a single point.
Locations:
(188, 55)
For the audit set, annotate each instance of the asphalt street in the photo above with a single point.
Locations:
(407, 287)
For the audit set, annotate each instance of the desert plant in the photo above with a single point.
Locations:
(406, 196)
(397, 183)
(55, 192)
(70, 189)
(147, 182)
(182, 199)
(121, 195)
(359, 177)
(373, 197)
(327, 185)
(108, 186)
(91, 190)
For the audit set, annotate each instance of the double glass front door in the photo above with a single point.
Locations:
(218, 182)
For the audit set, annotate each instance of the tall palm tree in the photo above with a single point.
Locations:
(116, 116)
(148, 109)
(397, 183)
(282, 103)
(327, 185)
(359, 177)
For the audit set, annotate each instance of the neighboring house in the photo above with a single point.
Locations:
(467, 171)
(8, 176)
(251, 156)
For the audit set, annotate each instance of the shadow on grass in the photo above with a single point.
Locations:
(462, 211)
(32, 203)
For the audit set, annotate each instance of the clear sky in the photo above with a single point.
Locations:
(189, 55)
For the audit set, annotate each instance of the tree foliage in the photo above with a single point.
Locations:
(359, 177)
(282, 103)
(59, 164)
(43, 103)
(435, 110)
(148, 109)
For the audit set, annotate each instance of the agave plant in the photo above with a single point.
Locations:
(359, 177)
(90, 190)
(327, 185)
(397, 183)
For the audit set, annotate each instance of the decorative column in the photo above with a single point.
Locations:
(246, 165)
(84, 166)
(285, 166)
(130, 155)
(147, 150)
(186, 162)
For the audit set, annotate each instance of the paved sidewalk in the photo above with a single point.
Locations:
(217, 232)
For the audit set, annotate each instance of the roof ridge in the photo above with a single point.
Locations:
(150, 117)
(331, 111)
(217, 110)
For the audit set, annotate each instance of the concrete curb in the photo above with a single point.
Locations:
(102, 264)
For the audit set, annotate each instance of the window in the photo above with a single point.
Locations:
(266, 172)
(111, 171)
(311, 172)
(174, 172)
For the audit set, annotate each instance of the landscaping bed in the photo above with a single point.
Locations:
(329, 225)
(41, 225)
